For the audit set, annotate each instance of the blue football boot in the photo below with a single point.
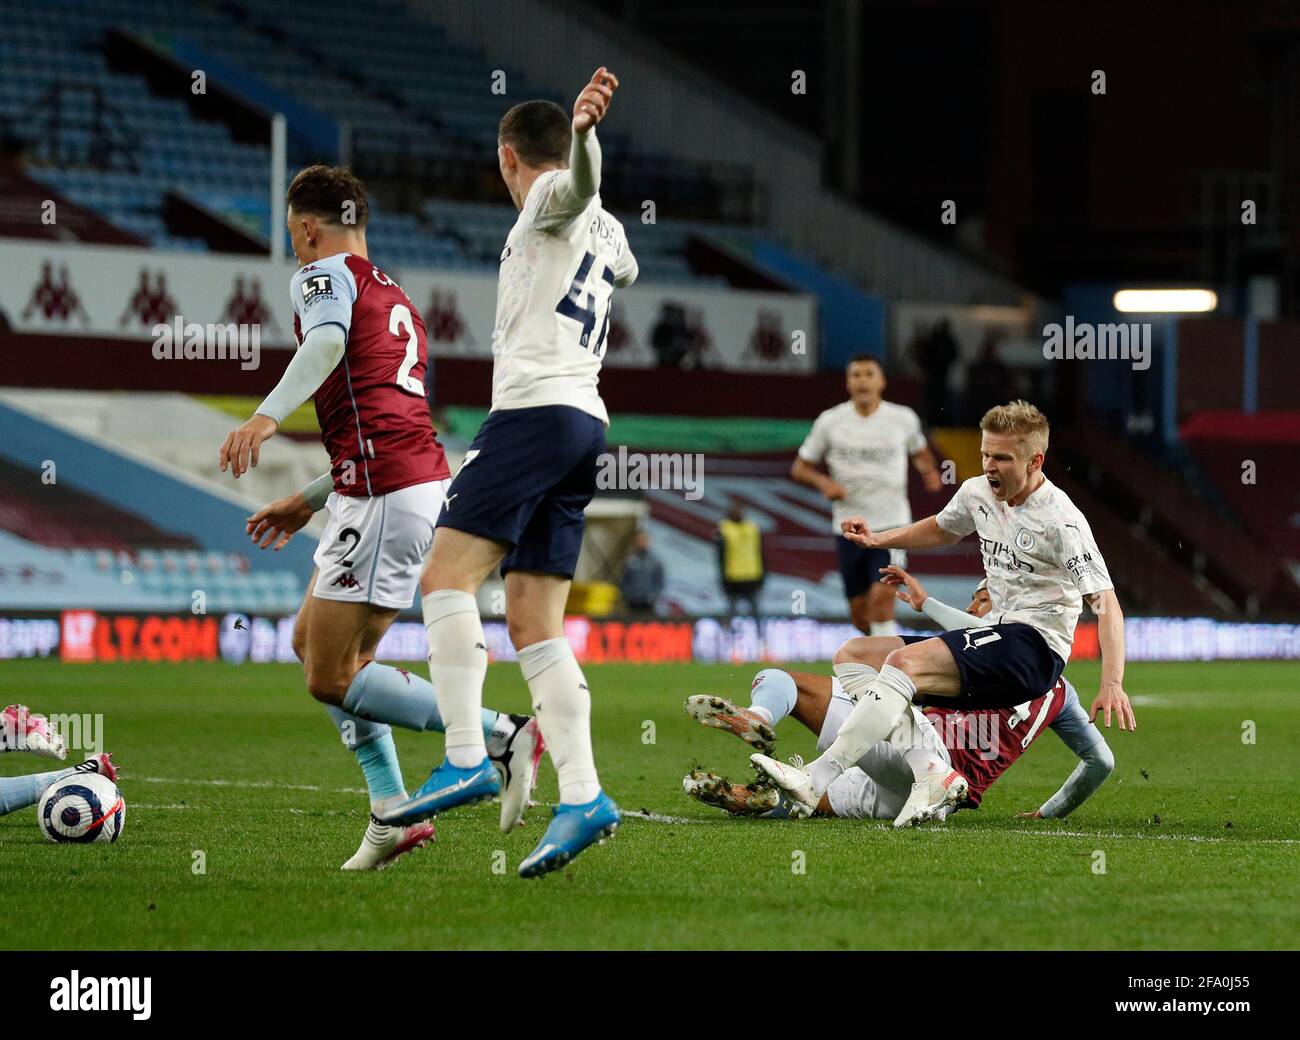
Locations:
(572, 829)
(446, 788)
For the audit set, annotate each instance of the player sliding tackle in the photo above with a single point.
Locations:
(20, 730)
(1040, 560)
(978, 745)
(518, 498)
(361, 357)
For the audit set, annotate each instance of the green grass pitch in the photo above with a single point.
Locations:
(1200, 835)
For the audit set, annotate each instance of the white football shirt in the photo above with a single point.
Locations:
(869, 456)
(554, 295)
(1040, 557)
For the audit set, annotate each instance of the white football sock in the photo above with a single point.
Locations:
(457, 667)
(562, 706)
(883, 628)
(877, 712)
(855, 678)
(907, 739)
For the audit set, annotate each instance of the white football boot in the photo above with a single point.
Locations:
(793, 779)
(383, 844)
(519, 773)
(720, 713)
(932, 791)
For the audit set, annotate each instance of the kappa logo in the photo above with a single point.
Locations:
(346, 581)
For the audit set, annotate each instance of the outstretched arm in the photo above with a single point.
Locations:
(575, 187)
(924, 534)
(1094, 767)
(914, 594)
(1095, 760)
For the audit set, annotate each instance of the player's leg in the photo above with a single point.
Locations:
(457, 667)
(538, 572)
(882, 700)
(20, 730)
(880, 610)
(327, 641)
(774, 694)
(19, 792)
(514, 742)
(936, 788)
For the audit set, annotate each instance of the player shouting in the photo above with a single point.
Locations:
(362, 356)
(519, 497)
(1040, 560)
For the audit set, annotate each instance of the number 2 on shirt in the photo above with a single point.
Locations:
(584, 312)
(399, 321)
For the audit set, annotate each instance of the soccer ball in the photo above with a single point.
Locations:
(84, 807)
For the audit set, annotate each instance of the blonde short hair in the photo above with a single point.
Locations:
(1022, 420)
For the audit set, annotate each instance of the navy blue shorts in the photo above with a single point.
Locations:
(525, 482)
(859, 566)
(1001, 665)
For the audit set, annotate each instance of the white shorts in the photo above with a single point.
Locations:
(878, 785)
(373, 549)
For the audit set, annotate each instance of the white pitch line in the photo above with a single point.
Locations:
(267, 784)
(653, 817)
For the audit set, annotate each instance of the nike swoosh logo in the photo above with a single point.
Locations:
(460, 785)
(592, 813)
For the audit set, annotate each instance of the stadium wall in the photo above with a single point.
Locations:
(117, 292)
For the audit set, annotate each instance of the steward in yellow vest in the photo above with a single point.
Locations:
(740, 560)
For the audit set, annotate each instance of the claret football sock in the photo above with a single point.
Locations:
(457, 666)
(773, 694)
(562, 704)
(372, 743)
(877, 712)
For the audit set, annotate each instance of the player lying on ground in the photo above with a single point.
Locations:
(361, 357)
(517, 500)
(20, 730)
(978, 745)
(1040, 561)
